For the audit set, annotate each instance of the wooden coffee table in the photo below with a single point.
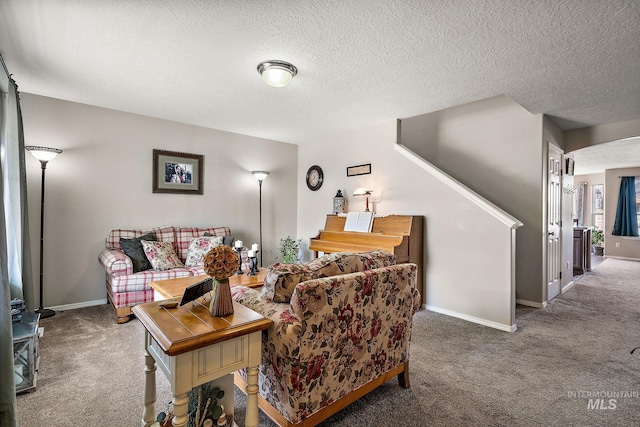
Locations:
(174, 288)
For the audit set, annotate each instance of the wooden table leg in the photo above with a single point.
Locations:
(181, 409)
(251, 416)
(149, 413)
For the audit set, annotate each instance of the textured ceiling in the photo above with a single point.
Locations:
(612, 155)
(360, 62)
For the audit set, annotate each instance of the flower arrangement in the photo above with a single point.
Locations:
(221, 263)
(203, 405)
(289, 249)
(204, 408)
(597, 237)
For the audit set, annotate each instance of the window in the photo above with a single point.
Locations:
(597, 206)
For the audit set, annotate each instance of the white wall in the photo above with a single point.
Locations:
(453, 225)
(591, 180)
(554, 135)
(103, 180)
(629, 247)
(592, 135)
(495, 147)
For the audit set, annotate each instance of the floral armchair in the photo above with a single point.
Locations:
(336, 338)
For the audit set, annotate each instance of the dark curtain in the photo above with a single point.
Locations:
(626, 222)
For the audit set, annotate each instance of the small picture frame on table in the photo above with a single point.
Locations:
(177, 173)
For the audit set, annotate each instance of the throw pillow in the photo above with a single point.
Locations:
(226, 240)
(133, 249)
(161, 255)
(282, 279)
(198, 248)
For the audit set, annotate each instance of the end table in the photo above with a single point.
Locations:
(25, 351)
(192, 347)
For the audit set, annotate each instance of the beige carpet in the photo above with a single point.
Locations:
(461, 373)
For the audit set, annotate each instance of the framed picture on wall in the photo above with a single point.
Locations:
(177, 173)
(359, 170)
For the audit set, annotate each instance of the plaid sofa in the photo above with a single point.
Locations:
(334, 338)
(126, 288)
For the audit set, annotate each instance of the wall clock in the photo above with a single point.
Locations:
(314, 178)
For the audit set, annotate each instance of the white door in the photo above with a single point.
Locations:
(554, 216)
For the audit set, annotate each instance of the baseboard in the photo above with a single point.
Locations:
(622, 257)
(531, 303)
(78, 305)
(569, 286)
(473, 319)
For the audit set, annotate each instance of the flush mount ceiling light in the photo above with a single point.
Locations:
(277, 73)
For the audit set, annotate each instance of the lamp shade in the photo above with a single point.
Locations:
(277, 73)
(260, 175)
(44, 154)
(362, 191)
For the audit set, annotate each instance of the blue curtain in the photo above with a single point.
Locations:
(626, 223)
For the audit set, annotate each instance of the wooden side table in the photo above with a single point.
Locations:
(174, 288)
(192, 347)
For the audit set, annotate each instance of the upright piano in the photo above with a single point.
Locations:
(402, 235)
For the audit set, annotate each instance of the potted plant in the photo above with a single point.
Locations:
(289, 250)
(597, 240)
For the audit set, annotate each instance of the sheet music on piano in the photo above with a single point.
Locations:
(359, 221)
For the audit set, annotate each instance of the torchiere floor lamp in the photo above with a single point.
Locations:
(44, 154)
(260, 176)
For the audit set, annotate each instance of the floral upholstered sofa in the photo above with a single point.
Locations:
(342, 325)
(130, 267)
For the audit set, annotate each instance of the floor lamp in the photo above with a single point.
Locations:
(44, 154)
(260, 176)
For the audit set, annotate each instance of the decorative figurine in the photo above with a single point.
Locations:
(222, 421)
(339, 203)
(253, 259)
(252, 254)
(254, 268)
(238, 247)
